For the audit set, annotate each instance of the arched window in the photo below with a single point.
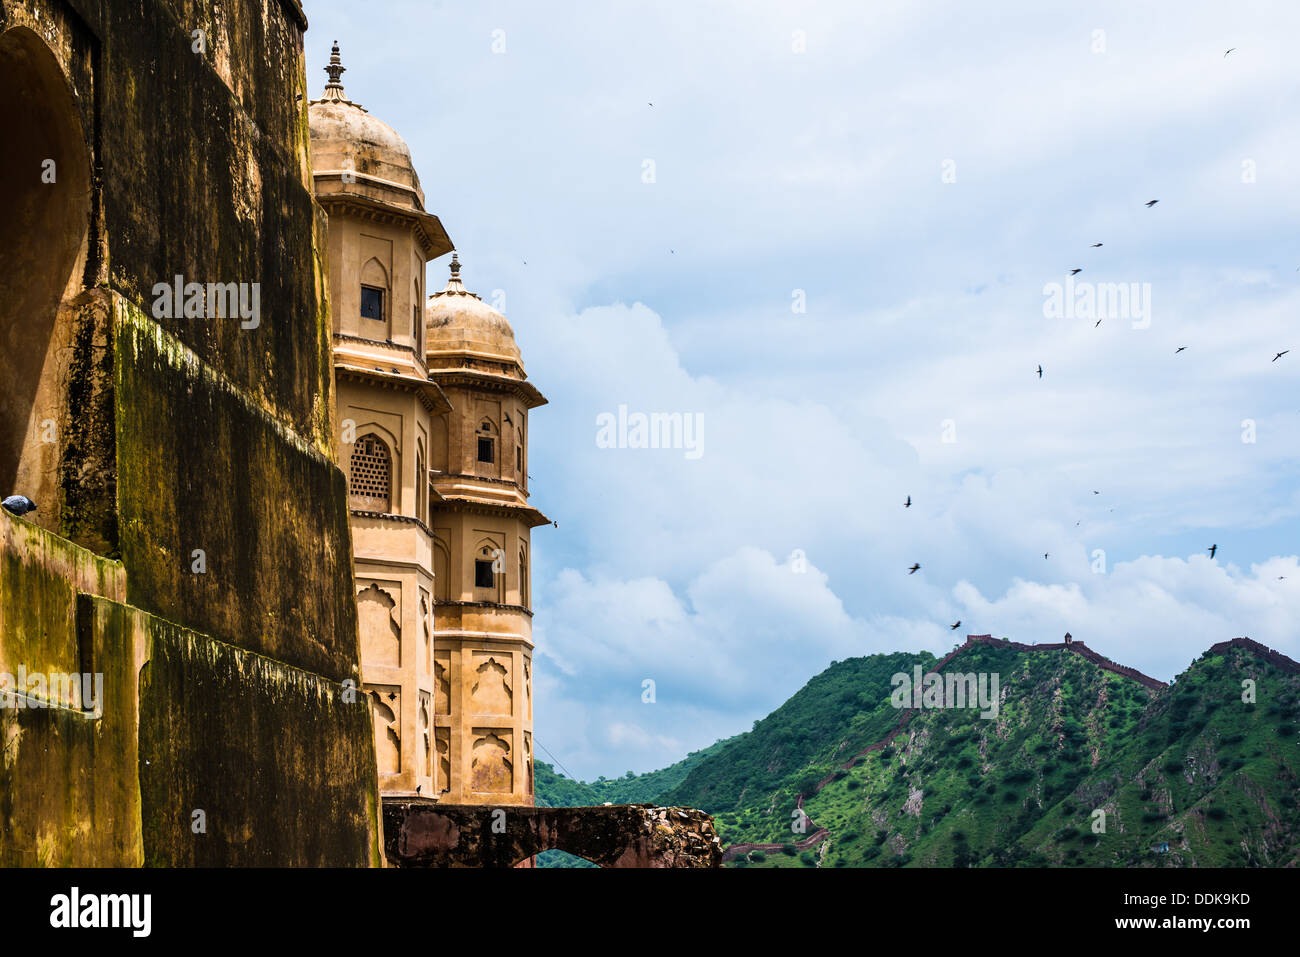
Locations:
(487, 444)
(374, 292)
(489, 572)
(370, 476)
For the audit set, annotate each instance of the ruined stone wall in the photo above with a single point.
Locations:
(423, 833)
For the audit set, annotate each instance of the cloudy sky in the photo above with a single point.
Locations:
(829, 233)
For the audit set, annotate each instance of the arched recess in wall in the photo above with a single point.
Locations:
(43, 231)
(417, 316)
(524, 598)
(421, 483)
(441, 572)
(438, 443)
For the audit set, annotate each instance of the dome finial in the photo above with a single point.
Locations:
(336, 69)
(454, 284)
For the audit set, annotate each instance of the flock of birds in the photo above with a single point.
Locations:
(1213, 549)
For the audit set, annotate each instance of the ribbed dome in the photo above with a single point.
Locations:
(457, 321)
(345, 137)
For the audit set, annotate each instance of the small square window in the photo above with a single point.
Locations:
(372, 303)
(485, 451)
(484, 577)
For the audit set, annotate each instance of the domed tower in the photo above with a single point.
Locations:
(482, 524)
(379, 240)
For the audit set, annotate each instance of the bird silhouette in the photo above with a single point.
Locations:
(908, 503)
(1152, 203)
(1097, 245)
(1212, 549)
(417, 789)
(1179, 349)
(1044, 556)
(1281, 354)
(18, 504)
(1075, 272)
(1098, 322)
(956, 626)
(913, 569)
(1230, 49)
(1095, 492)
(1040, 372)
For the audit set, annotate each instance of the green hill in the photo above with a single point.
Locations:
(1086, 763)
(1190, 767)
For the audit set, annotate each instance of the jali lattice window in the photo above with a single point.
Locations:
(371, 474)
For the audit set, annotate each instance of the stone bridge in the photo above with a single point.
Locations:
(420, 832)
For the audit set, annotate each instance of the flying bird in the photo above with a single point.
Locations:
(912, 570)
(19, 504)
(1152, 203)
(908, 503)
(1098, 322)
(1044, 556)
(1225, 56)
(1281, 354)
(1179, 349)
(956, 626)
(1097, 245)
(1040, 372)
(1075, 272)
(1212, 549)
(1095, 492)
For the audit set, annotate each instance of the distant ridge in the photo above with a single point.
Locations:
(1079, 648)
(1275, 658)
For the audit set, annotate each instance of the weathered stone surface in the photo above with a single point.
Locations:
(422, 833)
(147, 436)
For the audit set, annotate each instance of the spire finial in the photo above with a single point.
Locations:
(455, 266)
(336, 69)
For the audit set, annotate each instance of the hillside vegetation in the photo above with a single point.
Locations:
(1086, 763)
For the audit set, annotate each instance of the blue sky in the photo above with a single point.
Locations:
(919, 173)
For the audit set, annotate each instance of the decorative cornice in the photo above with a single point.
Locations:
(520, 388)
(531, 516)
(428, 229)
(429, 393)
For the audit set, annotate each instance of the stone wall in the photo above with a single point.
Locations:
(171, 436)
(423, 833)
(277, 759)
